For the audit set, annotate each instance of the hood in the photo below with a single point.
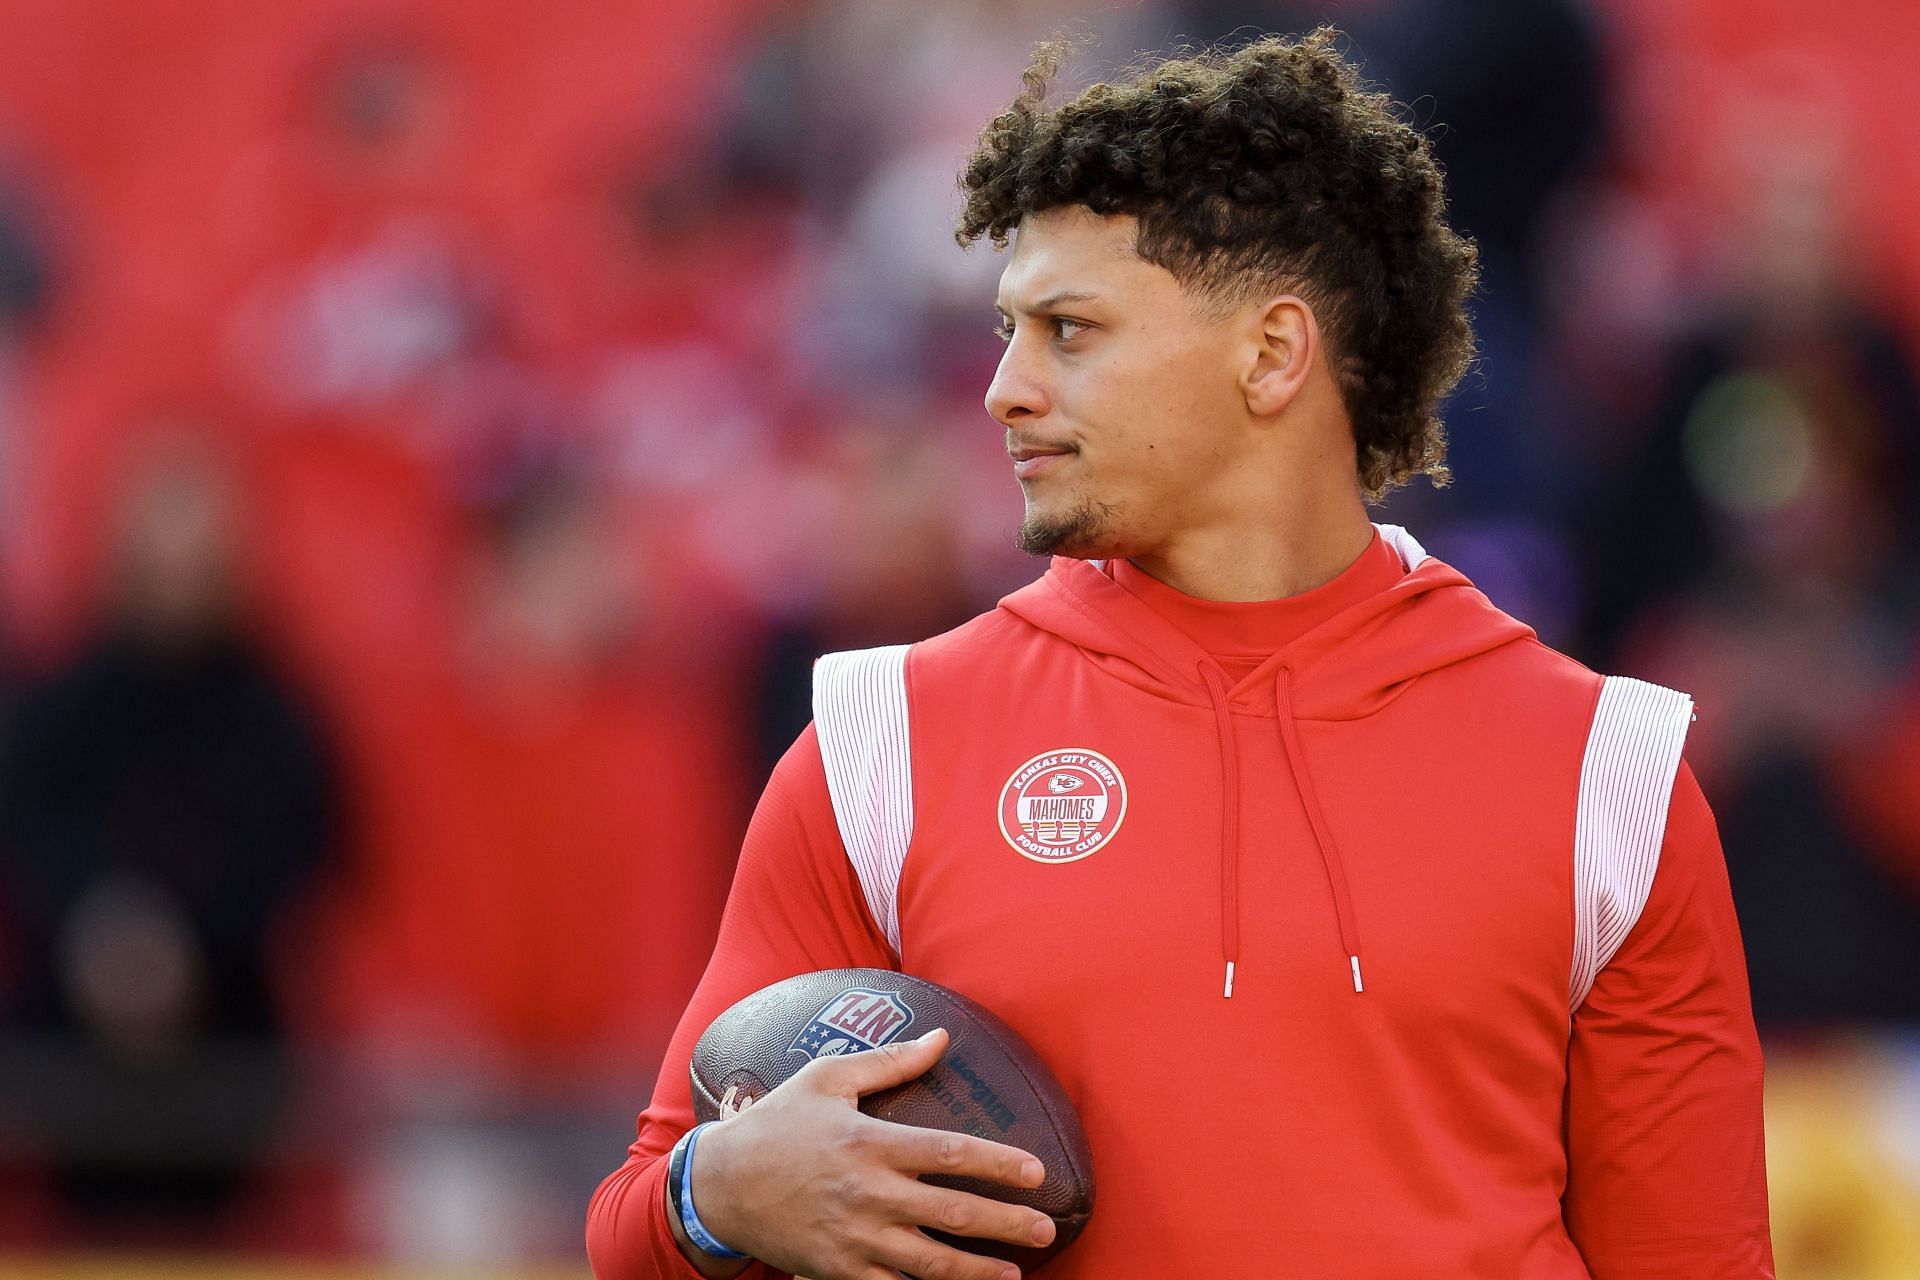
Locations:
(1349, 666)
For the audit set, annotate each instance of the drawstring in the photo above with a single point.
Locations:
(1329, 855)
(1229, 822)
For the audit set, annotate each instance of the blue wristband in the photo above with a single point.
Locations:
(690, 1218)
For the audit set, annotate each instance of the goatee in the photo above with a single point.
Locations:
(1074, 533)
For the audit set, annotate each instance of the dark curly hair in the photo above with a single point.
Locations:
(1266, 165)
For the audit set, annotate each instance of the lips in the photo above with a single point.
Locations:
(1035, 459)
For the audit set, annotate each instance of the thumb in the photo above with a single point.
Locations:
(876, 1069)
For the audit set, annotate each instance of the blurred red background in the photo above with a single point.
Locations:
(530, 392)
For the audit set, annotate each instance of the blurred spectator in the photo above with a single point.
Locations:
(1791, 342)
(1513, 95)
(502, 956)
(163, 802)
(366, 295)
(570, 764)
(894, 306)
(889, 560)
(1769, 568)
(26, 294)
(26, 273)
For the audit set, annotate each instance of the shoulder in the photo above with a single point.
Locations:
(1631, 731)
(1530, 668)
(983, 638)
(986, 637)
(952, 659)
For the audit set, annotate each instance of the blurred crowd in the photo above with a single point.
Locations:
(437, 437)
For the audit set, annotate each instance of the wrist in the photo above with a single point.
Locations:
(708, 1254)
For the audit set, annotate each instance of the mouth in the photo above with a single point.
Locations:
(1034, 459)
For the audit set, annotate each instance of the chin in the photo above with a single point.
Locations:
(1082, 533)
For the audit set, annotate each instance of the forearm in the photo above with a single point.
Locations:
(795, 907)
(707, 1265)
(631, 1235)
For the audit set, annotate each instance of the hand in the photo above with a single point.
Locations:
(803, 1181)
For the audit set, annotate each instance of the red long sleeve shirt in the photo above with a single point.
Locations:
(1409, 787)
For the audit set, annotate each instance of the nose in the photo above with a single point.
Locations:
(1017, 393)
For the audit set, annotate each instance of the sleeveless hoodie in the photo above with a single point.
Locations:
(1353, 964)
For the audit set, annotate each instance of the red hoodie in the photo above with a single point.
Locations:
(1407, 951)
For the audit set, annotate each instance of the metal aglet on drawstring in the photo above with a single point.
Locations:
(1229, 993)
(1357, 988)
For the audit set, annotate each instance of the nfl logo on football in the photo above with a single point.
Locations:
(857, 1019)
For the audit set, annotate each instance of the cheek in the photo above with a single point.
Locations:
(1154, 415)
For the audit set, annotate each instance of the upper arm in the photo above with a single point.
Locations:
(1666, 1154)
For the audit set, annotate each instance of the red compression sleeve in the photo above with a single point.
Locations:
(1666, 1155)
(796, 906)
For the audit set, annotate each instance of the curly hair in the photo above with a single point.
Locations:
(1267, 165)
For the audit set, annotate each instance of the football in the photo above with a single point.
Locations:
(989, 1082)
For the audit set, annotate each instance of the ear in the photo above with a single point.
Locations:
(1286, 342)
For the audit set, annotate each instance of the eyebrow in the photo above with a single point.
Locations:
(1053, 300)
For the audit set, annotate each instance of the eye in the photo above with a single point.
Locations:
(1064, 330)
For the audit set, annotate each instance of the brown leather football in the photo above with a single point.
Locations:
(988, 1083)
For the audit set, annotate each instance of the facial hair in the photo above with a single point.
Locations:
(1075, 533)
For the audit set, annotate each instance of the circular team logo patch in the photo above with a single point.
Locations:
(1061, 806)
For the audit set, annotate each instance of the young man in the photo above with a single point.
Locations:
(1398, 943)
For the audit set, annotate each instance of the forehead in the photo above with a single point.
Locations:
(1073, 249)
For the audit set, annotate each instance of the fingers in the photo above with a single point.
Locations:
(960, 1155)
(853, 1074)
(914, 1254)
(959, 1214)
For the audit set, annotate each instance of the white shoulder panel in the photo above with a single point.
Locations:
(860, 715)
(1411, 553)
(1626, 784)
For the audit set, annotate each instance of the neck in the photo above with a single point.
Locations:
(1272, 561)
